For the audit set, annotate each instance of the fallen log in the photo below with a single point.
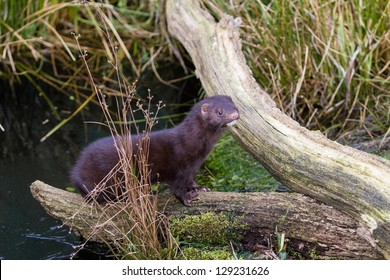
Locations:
(309, 226)
(352, 181)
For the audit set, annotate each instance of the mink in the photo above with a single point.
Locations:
(175, 154)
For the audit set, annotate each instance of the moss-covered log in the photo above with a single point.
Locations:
(352, 181)
(310, 226)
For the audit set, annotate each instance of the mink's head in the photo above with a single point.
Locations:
(219, 111)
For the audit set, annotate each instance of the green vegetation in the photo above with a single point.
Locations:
(191, 253)
(230, 168)
(39, 49)
(325, 63)
(206, 236)
(207, 228)
(385, 154)
(281, 244)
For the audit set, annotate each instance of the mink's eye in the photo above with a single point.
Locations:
(220, 112)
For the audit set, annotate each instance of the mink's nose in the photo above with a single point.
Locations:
(234, 115)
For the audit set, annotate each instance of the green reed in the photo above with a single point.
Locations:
(326, 63)
(37, 46)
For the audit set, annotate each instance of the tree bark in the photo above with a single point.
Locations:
(309, 226)
(352, 181)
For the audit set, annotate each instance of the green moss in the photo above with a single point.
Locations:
(191, 253)
(313, 254)
(71, 189)
(230, 168)
(206, 236)
(385, 154)
(206, 229)
(294, 255)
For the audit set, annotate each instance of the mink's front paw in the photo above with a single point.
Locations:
(190, 194)
(202, 189)
(189, 197)
(196, 187)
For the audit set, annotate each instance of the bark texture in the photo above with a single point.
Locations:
(310, 226)
(352, 181)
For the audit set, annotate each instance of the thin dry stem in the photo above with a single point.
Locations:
(130, 178)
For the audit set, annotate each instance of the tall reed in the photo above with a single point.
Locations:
(146, 233)
(37, 49)
(326, 63)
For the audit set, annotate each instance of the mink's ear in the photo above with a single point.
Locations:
(205, 108)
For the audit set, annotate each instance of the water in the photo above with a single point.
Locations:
(26, 230)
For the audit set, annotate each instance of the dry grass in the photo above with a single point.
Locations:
(325, 63)
(37, 45)
(146, 233)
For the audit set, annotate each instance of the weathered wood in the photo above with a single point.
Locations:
(309, 225)
(354, 182)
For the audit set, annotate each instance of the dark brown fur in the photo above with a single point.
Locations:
(175, 154)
